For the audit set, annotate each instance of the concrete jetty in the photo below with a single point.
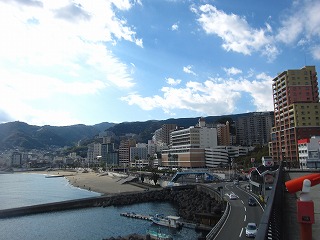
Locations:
(51, 207)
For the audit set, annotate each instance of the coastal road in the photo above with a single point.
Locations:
(240, 214)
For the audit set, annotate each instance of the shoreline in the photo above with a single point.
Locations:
(91, 181)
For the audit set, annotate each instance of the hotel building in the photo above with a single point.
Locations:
(187, 146)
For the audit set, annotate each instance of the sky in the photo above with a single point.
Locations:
(66, 62)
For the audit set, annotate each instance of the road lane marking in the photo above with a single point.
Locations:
(245, 218)
(245, 209)
(241, 232)
(242, 202)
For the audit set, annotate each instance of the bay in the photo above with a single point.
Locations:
(90, 223)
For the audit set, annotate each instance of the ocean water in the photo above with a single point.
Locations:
(90, 223)
(24, 189)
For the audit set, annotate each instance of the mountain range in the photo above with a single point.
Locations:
(22, 135)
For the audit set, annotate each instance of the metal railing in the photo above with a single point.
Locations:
(271, 224)
(219, 224)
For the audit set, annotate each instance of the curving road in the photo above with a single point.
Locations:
(240, 213)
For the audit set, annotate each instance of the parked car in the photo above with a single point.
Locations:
(252, 201)
(251, 230)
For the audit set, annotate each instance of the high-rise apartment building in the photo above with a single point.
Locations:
(296, 112)
(139, 152)
(254, 128)
(166, 129)
(223, 132)
(124, 151)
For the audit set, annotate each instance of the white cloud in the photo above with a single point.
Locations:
(16, 96)
(173, 82)
(188, 70)
(66, 41)
(175, 27)
(56, 49)
(260, 91)
(301, 26)
(212, 97)
(236, 33)
(232, 71)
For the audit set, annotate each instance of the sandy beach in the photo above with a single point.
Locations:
(95, 182)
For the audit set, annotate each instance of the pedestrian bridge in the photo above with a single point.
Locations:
(197, 176)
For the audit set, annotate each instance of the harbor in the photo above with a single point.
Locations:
(177, 223)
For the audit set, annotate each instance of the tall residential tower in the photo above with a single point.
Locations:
(296, 112)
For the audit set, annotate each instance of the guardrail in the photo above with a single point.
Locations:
(217, 196)
(219, 224)
(271, 224)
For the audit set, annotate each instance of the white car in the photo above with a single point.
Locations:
(251, 230)
(232, 196)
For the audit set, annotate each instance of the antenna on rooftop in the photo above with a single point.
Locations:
(305, 59)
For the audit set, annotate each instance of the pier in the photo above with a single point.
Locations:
(135, 215)
(183, 224)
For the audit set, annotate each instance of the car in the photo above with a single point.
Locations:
(236, 182)
(251, 230)
(252, 201)
(232, 196)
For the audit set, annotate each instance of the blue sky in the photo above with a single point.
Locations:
(84, 62)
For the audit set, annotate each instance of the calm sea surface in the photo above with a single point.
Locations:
(18, 190)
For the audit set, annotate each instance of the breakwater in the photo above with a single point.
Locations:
(192, 203)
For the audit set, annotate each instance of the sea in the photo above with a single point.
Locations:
(25, 189)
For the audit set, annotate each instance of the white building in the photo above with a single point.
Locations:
(94, 151)
(194, 137)
(151, 148)
(309, 156)
(216, 157)
(187, 146)
(223, 155)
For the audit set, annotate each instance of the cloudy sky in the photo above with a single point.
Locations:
(67, 62)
